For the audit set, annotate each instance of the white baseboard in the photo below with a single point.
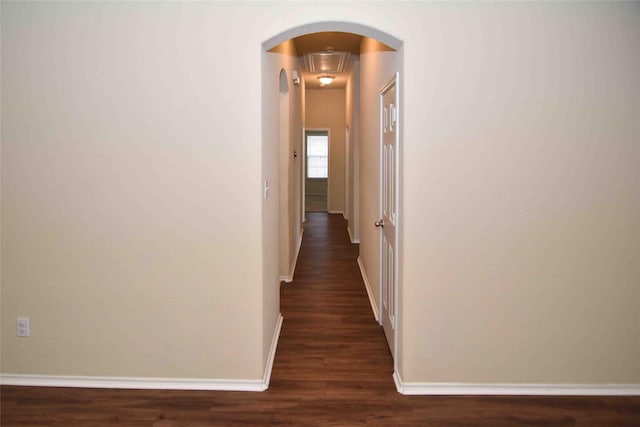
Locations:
(335, 212)
(132, 383)
(272, 353)
(367, 285)
(292, 269)
(351, 236)
(150, 383)
(456, 389)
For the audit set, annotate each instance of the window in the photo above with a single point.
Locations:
(318, 156)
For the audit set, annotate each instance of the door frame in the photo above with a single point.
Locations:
(305, 131)
(394, 81)
(347, 187)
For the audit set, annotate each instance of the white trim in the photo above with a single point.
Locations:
(351, 236)
(272, 354)
(336, 212)
(339, 26)
(367, 285)
(440, 389)
(303, 177)
(346, 172)
(292, 270)
(304, 162)
(384, 315)
(150, 383)
(130, 382)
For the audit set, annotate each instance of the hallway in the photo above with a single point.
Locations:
(329, 338)
(332, 368)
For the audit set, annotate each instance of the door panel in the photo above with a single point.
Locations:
(389, 209)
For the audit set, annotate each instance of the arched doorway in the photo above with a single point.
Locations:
(376, 60)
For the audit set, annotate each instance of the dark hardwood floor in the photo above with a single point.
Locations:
(332, 368)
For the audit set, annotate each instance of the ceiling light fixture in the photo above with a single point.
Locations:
(325, 80)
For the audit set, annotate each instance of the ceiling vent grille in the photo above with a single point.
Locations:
(326, 62)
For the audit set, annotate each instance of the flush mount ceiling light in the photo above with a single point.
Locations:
(325, 80)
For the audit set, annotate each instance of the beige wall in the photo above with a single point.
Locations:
(271, 233)
(301, 189)
(290, 141)
(325, 109)
(131, 192)
(352, 110)
(521, 172)
(377, 68)
(133, 156)
(281, 220)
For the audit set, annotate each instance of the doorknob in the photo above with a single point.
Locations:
(380, 223)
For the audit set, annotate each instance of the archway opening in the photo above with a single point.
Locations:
(364, 59)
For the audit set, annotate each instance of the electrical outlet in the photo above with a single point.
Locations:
(23, 326)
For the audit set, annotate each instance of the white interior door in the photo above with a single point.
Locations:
(389, 209)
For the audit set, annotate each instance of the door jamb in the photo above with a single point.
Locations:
(304, 163)
(395, 80)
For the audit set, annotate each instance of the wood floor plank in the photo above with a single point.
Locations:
(332, 368)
